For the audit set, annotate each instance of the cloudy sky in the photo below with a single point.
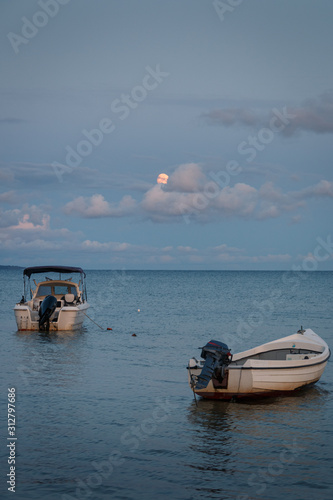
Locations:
(232, 100)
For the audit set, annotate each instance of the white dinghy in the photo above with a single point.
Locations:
(278, 367)
(54, 304)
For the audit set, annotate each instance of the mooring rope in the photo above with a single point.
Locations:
(95, 322)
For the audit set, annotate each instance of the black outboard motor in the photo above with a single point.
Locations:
(217, 356)
(46, 310)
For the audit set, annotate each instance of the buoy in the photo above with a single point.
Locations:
(109, 328)
(133, 334)
(138, 310)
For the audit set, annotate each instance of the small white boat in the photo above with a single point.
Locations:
(275, 368)
(54, 304)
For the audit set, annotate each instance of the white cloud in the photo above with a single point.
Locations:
(323, 188)
(210, 202)
(27, 217)
(238, 200)
(160, 204)
(186, 178)
(25, 240)
(96, 207)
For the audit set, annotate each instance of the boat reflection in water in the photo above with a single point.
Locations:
(260, 441)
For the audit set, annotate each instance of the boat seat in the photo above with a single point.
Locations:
(69, 298)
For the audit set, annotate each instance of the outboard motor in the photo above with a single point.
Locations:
(46, 310)
(218, 357)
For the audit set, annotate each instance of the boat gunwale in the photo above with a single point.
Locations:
(243, 367)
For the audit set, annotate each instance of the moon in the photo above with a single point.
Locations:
(162, 179)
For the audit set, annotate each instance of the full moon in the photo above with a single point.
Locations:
(162, 179)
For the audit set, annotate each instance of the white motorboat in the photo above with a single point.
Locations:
(275, 368)
(54, 304)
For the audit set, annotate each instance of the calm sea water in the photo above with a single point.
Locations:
(103, 414)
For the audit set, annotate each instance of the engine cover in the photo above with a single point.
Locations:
(46, 310)
(217, 358)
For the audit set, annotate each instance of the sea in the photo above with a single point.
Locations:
(108, 414)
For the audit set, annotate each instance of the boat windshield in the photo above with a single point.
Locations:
(56, 289)
(63, 289)
(44, 290)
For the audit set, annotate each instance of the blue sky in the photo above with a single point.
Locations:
(232, 100)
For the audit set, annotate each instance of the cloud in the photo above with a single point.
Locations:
(96, 246)
(186, 178)
(272, 258)
(27, 217)
(314, 115)
(184, 194)
(32, 174)
(161, 205)
(323, 188)
(210, 202)
(231, 116)
(9, 217)
(274, 203)
(8, 197)
(97, 207)
(26, 224)
(179, 255)
(225, 253)
(238, 200)
(193, 193)
(186, 249)
(28, 236)
(26, 231)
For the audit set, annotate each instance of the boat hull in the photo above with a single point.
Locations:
(68, 318)
(227, 396)
(247, 383)
(250, 376)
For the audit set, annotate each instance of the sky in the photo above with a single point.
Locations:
(231, 100)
